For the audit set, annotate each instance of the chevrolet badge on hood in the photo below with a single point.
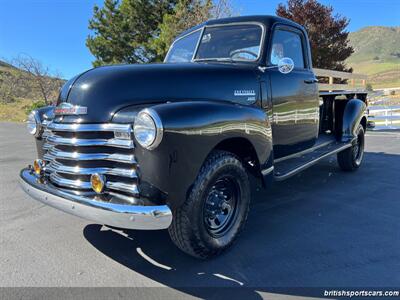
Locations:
(70, 109)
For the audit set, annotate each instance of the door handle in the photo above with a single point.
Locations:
(310, 81)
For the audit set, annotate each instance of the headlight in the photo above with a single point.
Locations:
(148, 129)
(33, 123)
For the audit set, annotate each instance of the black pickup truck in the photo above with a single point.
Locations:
(172, 145)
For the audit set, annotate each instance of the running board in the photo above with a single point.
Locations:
(289, 167)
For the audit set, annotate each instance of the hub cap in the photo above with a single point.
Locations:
(220, 208)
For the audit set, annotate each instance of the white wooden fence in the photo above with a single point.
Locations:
(388, 116)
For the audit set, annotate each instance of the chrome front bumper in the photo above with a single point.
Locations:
(118, 215)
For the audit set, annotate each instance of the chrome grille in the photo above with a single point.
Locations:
(75, 151)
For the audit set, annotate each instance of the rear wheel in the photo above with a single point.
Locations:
(216, 209)
(351, 158)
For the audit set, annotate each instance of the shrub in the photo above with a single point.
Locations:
(35, 105)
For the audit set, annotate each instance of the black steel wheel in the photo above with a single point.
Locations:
(351, 158)
(216, 209)
(220, 207)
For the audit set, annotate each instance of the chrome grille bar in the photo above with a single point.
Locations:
(47, 146)
(80, 184)
(75, 184)
(58, 140)
(89, 127)
(124, 187)
(53, 153)
(60, 168)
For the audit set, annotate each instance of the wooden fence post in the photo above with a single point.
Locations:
(350, 85)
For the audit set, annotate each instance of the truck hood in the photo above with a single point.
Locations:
(106, 90)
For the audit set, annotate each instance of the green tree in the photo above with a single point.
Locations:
(140, 31)
(186, 14)
(326, 31)
(122, 30)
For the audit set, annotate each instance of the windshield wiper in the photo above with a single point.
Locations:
(223, 59)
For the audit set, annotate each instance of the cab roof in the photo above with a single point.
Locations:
(266, 20)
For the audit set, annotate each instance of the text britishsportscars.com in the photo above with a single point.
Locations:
(362, 293)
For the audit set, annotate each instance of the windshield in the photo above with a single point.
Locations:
(182, 49)
(240, 42)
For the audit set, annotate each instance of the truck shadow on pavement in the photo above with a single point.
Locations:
(321, 228)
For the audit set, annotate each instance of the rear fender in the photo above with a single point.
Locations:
(352, 115)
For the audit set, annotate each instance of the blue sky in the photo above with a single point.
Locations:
(54, 31)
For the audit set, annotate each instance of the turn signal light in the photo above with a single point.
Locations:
(38, 166)
(98, 182)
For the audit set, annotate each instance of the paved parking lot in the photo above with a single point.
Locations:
(322, 228)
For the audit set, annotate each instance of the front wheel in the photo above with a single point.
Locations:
(351, 158)
(216, 209)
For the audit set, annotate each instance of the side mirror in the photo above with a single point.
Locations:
(285, 65)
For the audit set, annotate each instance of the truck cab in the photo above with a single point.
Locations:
(172, 145)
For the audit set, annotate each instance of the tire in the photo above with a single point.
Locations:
(351, 158)
(216, 209)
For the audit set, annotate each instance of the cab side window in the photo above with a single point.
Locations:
(287, 44)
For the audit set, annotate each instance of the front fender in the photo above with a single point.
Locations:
(352, 115)
(192, 130)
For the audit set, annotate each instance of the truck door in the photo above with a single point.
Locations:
(294, 95)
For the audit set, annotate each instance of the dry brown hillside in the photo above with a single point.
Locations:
(23, 89)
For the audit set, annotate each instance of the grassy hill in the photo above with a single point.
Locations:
(377, 54)
(4, 65)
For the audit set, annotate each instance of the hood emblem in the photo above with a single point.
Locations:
(69, 109)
